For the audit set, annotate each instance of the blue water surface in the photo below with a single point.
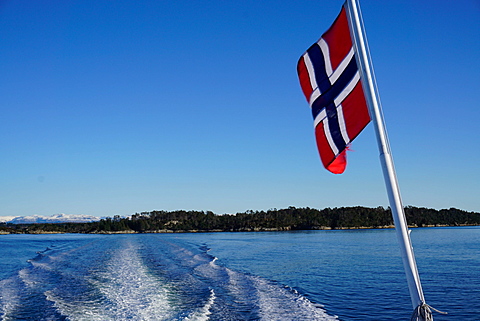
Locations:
(301, 275)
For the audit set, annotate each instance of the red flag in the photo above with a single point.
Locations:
(330, 80)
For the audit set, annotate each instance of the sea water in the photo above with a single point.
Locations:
(302, 275)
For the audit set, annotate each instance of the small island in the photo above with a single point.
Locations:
(287, 219)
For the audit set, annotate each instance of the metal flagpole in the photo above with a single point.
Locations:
(421, 309)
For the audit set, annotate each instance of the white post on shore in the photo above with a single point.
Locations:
(421, 310)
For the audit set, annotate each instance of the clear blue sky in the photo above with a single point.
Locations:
(117, 107)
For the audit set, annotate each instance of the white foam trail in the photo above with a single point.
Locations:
(278, 303)
(274, 303)
(202, 314)
(241, 288)
(9, 298)
(126, 291)
(27, 278)
(133, 292)
(40, 265)
(74, 310)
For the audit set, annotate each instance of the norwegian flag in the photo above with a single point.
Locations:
(330, 80)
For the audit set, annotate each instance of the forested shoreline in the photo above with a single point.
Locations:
(287, 219)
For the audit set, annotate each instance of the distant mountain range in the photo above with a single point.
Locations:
(56, 218)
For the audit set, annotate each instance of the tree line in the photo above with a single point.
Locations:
(290, 218)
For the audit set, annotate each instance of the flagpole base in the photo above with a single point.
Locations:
(422, 313)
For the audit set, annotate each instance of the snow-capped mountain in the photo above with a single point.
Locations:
(4, 219)
(56, 218)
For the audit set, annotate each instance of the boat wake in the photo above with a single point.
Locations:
(144, 277)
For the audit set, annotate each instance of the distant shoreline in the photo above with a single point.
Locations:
(286, 229)
(274, 220)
